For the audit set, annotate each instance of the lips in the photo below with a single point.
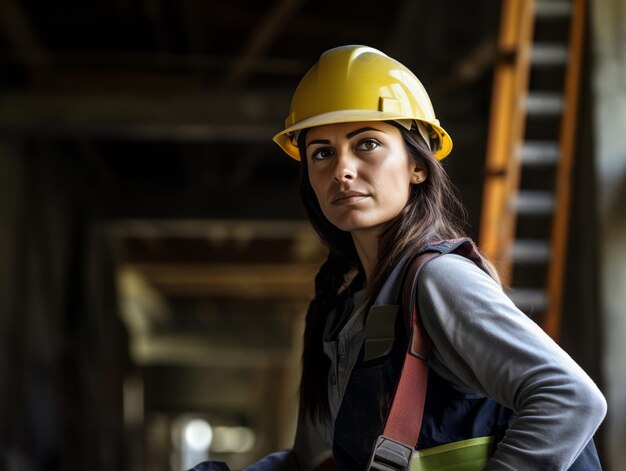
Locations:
(348, 197)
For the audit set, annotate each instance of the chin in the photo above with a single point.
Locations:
(354, 226)
(345, 224)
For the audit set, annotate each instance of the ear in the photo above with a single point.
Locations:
(419, 173)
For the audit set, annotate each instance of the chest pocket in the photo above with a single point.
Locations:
(380, 331)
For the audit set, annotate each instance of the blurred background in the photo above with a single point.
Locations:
(156, 264)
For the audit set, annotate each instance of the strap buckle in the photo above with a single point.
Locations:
(416, 343)
(390, 455)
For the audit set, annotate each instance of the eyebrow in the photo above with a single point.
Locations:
(318, 141)
(350, 135)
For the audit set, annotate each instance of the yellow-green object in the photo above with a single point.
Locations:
(359, 83)
(466, 455)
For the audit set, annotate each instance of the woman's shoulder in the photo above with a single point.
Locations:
(451, 266)
(460, 280)
(460, 254)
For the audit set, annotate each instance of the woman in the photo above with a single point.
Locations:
(366, 134)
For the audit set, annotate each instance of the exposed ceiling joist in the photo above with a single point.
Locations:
(158, 62)
(258, 281)
(220, 116)
(260, 40)
(196, 351)
(20, 33)
(210, 228)
(402, 34)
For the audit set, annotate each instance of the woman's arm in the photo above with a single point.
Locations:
(482, 342)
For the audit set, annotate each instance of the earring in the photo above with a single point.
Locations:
(416, 179)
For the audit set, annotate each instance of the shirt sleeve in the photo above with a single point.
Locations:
(483, 343)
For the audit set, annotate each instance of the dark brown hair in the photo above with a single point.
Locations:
(432, 213)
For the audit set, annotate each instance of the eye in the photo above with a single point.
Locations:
(367, 144)
(321, 153)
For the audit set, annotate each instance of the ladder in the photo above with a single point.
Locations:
(524, 219)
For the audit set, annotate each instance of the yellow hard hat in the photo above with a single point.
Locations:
(359, 83)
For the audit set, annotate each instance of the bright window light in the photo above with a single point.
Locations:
(198, 435)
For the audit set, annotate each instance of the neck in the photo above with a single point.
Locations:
(366, 245)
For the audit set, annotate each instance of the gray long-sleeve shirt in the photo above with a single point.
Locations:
(481, 343)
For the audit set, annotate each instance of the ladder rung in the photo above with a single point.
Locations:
(534, 202)
(549, 54)
(530, 251)
(529, 300)
(553, 8)
(543, 104)
(539, 153)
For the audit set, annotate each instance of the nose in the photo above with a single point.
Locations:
(345, 168)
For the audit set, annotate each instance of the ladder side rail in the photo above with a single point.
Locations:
(507, 125)
(523, 66)
(498, 144)
(559, 236)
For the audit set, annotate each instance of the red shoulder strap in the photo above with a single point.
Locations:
(394, 447)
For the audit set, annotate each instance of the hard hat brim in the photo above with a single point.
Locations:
(284, 138)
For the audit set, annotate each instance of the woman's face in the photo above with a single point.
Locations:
(361, 173)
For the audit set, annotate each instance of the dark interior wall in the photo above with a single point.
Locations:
(581, 327)
(609, 115)
(63, 346)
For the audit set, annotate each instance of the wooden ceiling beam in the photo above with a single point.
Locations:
(197, 116)
(195, 350)
(260, 40)
(20, 33)
(259, 281)
(213, 228)
(158, 62)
